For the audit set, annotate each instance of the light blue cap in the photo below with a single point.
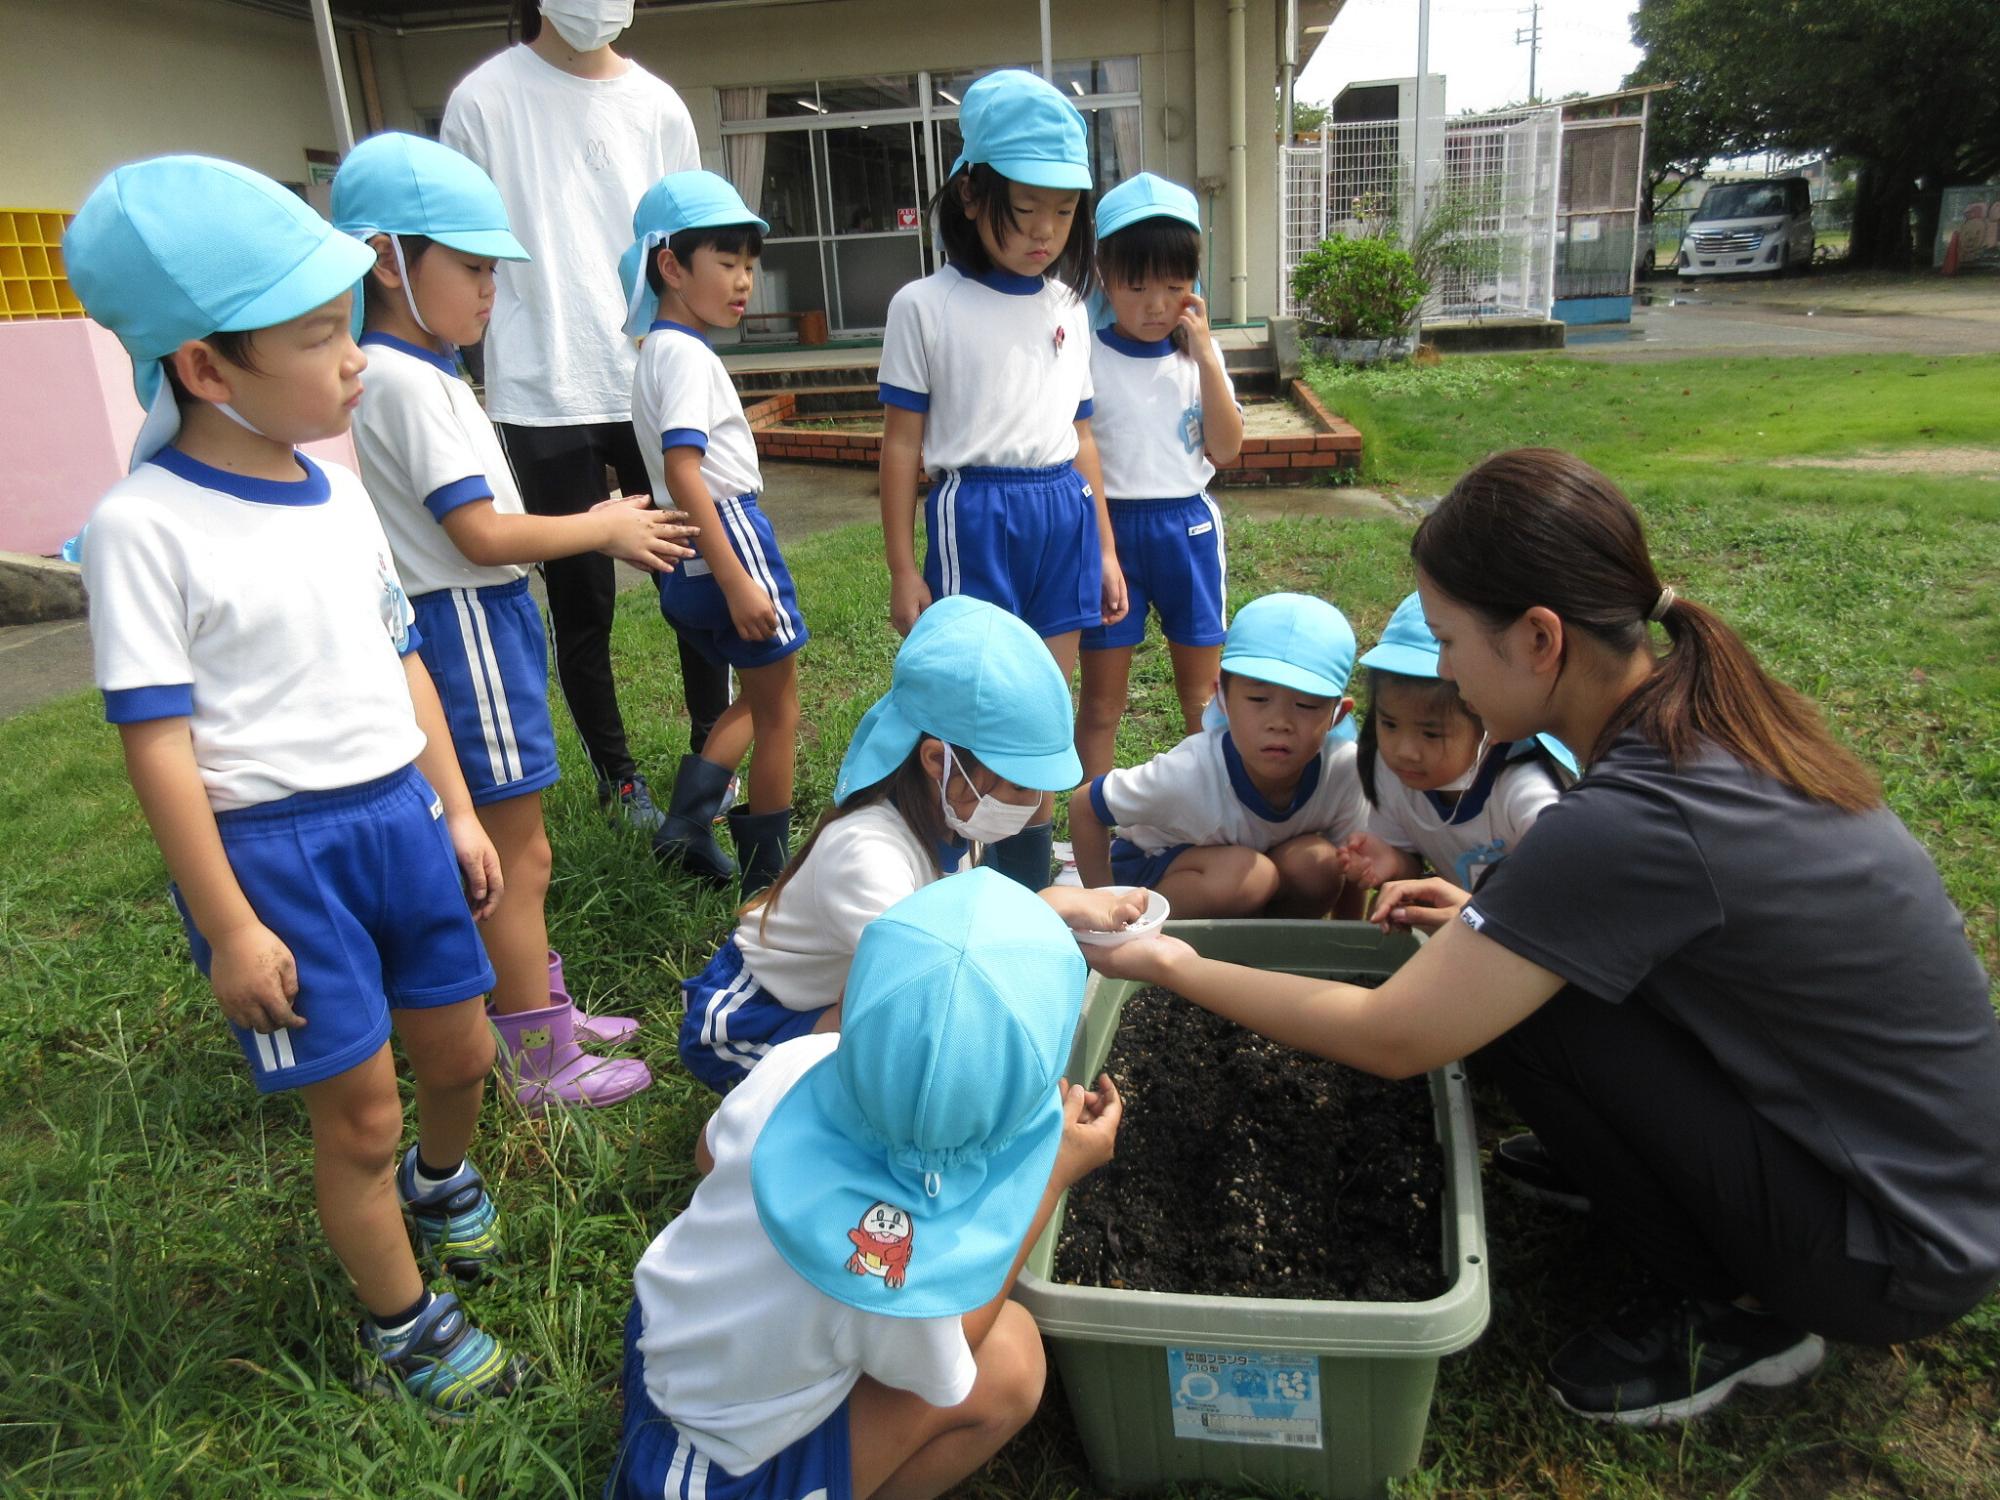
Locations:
(1145, 197)
(1023, 128)
(900, 1174)
(1294, 641)
(179, 247)
(975, 677)
(404, 184)
(1408, 649)
(680, 200)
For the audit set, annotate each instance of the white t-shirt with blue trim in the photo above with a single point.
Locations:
(998, 364)
(1199, 793)
(1498, 802)
(1147, 418)
(426, 448)
(682, 397)
(268, 614)
(744, 1354)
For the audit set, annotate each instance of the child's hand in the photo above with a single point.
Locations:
(1426, 904)
(1115, 602)
(642, 536)
(1146, 959)
(1193, 321)
(1090, 1129)
(751, 610)
(1371, 861)
(1096, 910)
(255, 979)
(478, 864)
(909, 596)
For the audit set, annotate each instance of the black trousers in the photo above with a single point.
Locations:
(1705, 1191)
(561, 471)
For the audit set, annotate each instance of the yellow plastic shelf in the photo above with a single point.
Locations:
(34, 282)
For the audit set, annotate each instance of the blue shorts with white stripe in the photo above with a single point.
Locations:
(1023, 539)
(489, 658)
(730, 1020)
(1174, 562)
(362, 885)
(657, 1462)
(695, 605)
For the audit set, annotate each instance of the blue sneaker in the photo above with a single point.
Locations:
(444, 1362)
(455, 1221)
(630, 804)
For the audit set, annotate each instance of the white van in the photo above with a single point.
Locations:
(1749, 228)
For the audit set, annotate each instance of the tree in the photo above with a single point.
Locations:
(1904, 87)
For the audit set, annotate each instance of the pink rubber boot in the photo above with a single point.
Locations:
(605, 1031)
(545, 1063)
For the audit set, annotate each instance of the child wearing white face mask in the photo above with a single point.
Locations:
(975, 727)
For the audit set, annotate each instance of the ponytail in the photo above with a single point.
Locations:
(1537, 526)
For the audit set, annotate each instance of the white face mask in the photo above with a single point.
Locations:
(992, 820)
(588, 24)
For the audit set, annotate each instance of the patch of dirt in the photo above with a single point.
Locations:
(1248, 1169)
(1275, 419)
(1981, 462)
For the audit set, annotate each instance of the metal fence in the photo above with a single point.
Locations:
(1492, 177)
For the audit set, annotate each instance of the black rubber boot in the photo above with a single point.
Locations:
(686, 840)
(1029, 856)
(763, 844)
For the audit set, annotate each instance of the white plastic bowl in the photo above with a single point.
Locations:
(1146, 926)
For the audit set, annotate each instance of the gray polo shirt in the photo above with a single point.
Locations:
(1815, 955)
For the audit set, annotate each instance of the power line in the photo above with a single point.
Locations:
(1531, 35)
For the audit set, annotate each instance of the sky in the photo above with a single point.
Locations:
(1586, 44)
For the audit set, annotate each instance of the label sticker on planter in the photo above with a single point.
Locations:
(1245, 1396)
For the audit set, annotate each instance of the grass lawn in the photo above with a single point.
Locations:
(176, 1327)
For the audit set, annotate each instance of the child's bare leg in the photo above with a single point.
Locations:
(1106, 675)
(1310, 881)
(903, 1448)
(450, 1048)
(1195, 668)
(357, 1123)
(729, 740)
(517, 933)
(1221, 880)
(771, 694)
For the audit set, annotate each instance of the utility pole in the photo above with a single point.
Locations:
(1531, 36)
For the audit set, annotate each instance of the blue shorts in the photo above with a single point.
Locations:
(695, 605)
(1131, 865)
(1173, 558)
(731, 1021)
(489, 656)
(655, 1461)
(362, 885)
(1024, 539)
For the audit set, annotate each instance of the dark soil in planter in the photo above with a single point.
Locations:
(1247, 1169)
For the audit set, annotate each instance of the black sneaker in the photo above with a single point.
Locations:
(1525, 1165)
(1665, 1359)
(630, 803)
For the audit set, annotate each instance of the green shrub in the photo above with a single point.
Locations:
(1362, 288)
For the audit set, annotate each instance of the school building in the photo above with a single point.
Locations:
(837, 119)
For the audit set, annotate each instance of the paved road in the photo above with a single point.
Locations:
(41, 662)
(1822, 312)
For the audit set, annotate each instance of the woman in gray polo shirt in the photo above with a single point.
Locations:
(1721, 981)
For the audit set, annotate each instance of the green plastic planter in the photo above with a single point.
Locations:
(1329, 1398)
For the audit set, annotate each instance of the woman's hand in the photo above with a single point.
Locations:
(1426, 904)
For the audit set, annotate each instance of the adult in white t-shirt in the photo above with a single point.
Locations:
(573, 134)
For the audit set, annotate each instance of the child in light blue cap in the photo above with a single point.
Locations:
(463, 544)
(832, 1310)
(1454, 799)
(986, 383)
(1166, 417)
(975, 726)
(257, 652)
(690, 270)
(1247, 816)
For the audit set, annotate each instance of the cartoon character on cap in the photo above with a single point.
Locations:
(865, 1199)
(986, 382)
(1440, 792)
(976, 725)
(1245, 817)
(883, 1243)
(1165, 418)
